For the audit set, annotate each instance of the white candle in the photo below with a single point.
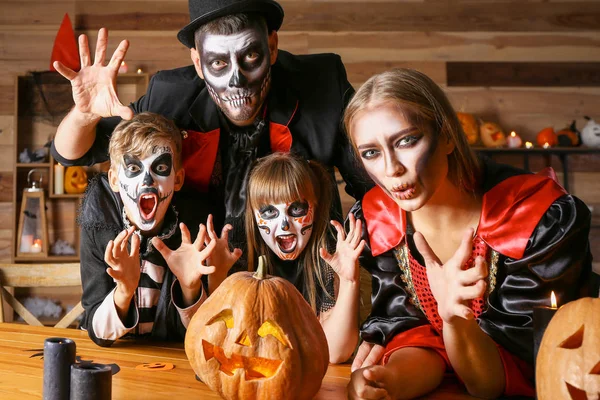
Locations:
(37, 246)
(514, 141)
(26, 242)
(59, 179)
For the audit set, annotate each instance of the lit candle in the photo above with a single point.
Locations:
(529, 145)
(514, 141)
(59, 179)
(546, 145)
(37, 246)
(139, 71)
(123, 68)
(541, 318)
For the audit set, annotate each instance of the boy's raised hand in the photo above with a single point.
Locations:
(222, 257)
(124, 264)
(348, 248)
(94, 85)
(188, 262)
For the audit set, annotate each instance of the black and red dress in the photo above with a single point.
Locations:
(534, 237)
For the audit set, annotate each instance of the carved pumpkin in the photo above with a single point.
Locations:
(590, 134)
(470, 127)
(75, 180)
(492, 135)
(547, 135)
(569, 136)
(568, 362)
(256, 337)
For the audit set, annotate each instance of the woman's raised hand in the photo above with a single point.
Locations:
(451, 286)
(94, 85)
(348, 247)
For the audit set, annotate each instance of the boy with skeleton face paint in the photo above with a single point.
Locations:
(287, 219)
(133, 282)
(242, 99)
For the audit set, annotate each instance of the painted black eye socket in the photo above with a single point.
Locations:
(298, 209)
(133, 166)
(268, 212)
(163, 164)
(574, 341)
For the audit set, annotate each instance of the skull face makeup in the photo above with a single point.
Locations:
(146, 187)
(286, 228)
(237, 72)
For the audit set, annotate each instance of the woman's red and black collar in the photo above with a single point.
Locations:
(511, 211)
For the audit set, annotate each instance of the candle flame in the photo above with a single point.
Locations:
(513, 134)
(553, 300)
(122, 62)
(546, 145)
(139, 71)
(528, 145)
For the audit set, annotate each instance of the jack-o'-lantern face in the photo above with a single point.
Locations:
(253, 367)
(76, 180)
(568, 363)
(256, 337)
(492, 135)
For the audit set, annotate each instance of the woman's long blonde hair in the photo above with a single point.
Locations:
(280, 178)
(425, 105)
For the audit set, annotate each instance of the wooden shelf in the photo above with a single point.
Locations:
(47, 259)
(562, 153)
(539, 150)
(65, 196)
(33, 165)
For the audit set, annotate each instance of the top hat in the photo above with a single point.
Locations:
(203, 11)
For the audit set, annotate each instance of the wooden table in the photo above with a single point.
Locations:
(21, 375)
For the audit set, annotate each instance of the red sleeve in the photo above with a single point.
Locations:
(518, 374)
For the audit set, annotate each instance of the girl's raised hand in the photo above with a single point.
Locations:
(221, 257)
(451, 286)
(348, 248)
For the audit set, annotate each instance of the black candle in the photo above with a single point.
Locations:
(59, 354)
(541, 318)
(90, 381)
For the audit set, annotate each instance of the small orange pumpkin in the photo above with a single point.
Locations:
(470, 126)
(492, 135)
(547, 135)
(568, 362)
(257, 338)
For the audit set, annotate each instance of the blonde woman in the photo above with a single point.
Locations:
(460, 249)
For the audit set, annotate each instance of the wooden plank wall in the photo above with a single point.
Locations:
(370, 35)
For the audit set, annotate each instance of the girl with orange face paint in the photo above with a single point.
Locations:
(287, 219)
(460, 249)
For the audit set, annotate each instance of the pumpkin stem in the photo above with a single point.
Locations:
(261, 271)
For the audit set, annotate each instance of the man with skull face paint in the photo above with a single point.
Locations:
(242, 99)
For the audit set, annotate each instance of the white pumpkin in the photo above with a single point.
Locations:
(590, 134)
